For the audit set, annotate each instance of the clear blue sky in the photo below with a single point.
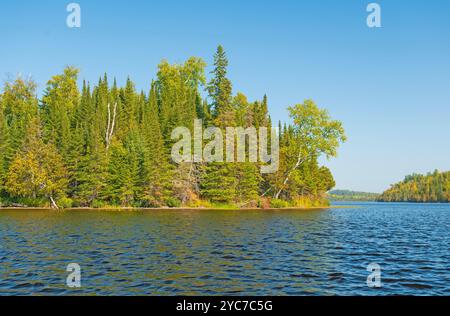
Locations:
(390, 86)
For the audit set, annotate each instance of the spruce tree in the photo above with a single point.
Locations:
(156, 175)
(220, 178)
(58, 107)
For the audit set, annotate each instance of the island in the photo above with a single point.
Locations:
(107, 146)
(430, 188)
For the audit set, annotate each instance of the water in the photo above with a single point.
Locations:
(315, 252)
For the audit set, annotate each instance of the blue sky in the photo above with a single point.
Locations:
(390, 86)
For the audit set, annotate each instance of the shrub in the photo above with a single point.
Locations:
(98, 204)
(306, 202)
(172, 202)
(65, 202)
(224, 206)
(30, 202)
(277, 203)
(199, 204)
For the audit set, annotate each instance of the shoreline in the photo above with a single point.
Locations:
(130, 209)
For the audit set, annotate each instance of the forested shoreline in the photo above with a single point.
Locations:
(348, 195)
(109, 146)
(430, 188)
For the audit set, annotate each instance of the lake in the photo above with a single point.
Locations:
(205, 252)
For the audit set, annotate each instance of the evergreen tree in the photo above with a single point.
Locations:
(248, 181)
(156, 178)
(111, 145)
(59, 104)
(433, 187)
(220, 91)
(220, 178)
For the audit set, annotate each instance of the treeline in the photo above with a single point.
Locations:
(347, 195)
(432, 188)
(105, 145)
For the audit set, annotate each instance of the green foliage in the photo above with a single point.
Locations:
(172, 202)
(58, 107)
(219, 89)
(219, 182)
(308, 201)
(433, 187)
(65, 202)
(37, 170)
(109, 146)
(223, 206)
(18, 107)
(277, 203)
(98, 204)
(313, 134)
(347, 195)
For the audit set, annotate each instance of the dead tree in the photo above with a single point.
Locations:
(111, 125)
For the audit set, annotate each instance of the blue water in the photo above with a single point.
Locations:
(171, 252)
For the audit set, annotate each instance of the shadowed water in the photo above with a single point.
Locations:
(316, 252)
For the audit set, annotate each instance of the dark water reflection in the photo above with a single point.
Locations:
(320, 252)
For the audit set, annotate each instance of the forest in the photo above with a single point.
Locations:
(431, 188)
(348, 195)
(103, 146)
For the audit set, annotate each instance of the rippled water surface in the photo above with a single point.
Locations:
(316, 252)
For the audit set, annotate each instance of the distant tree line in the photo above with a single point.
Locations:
(433, 187)
(106, 145)
(347, 195)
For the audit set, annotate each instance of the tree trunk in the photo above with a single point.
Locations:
(110, 126)
(299, 162)
(54, 205)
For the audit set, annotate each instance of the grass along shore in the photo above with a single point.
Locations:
(261, 203)
(131, 209)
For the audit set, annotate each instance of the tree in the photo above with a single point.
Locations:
(432, 187)
(91, 160)
(219, 181)
(122, 181)
(20, 106)
(156, 177)
(59, 104)
(248, 180)
(111, 145)
(220, 91)
(37, 170)
(3, 146)
(177, 89)
(314, 134)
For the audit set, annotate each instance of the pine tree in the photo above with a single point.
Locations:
(122, 181)
(220, 178)
(156, 177)
(111, 145)
(219, 182)
(248, 182)
(91, 170)
(59, 104)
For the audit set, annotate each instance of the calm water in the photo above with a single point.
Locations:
(320, 252)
